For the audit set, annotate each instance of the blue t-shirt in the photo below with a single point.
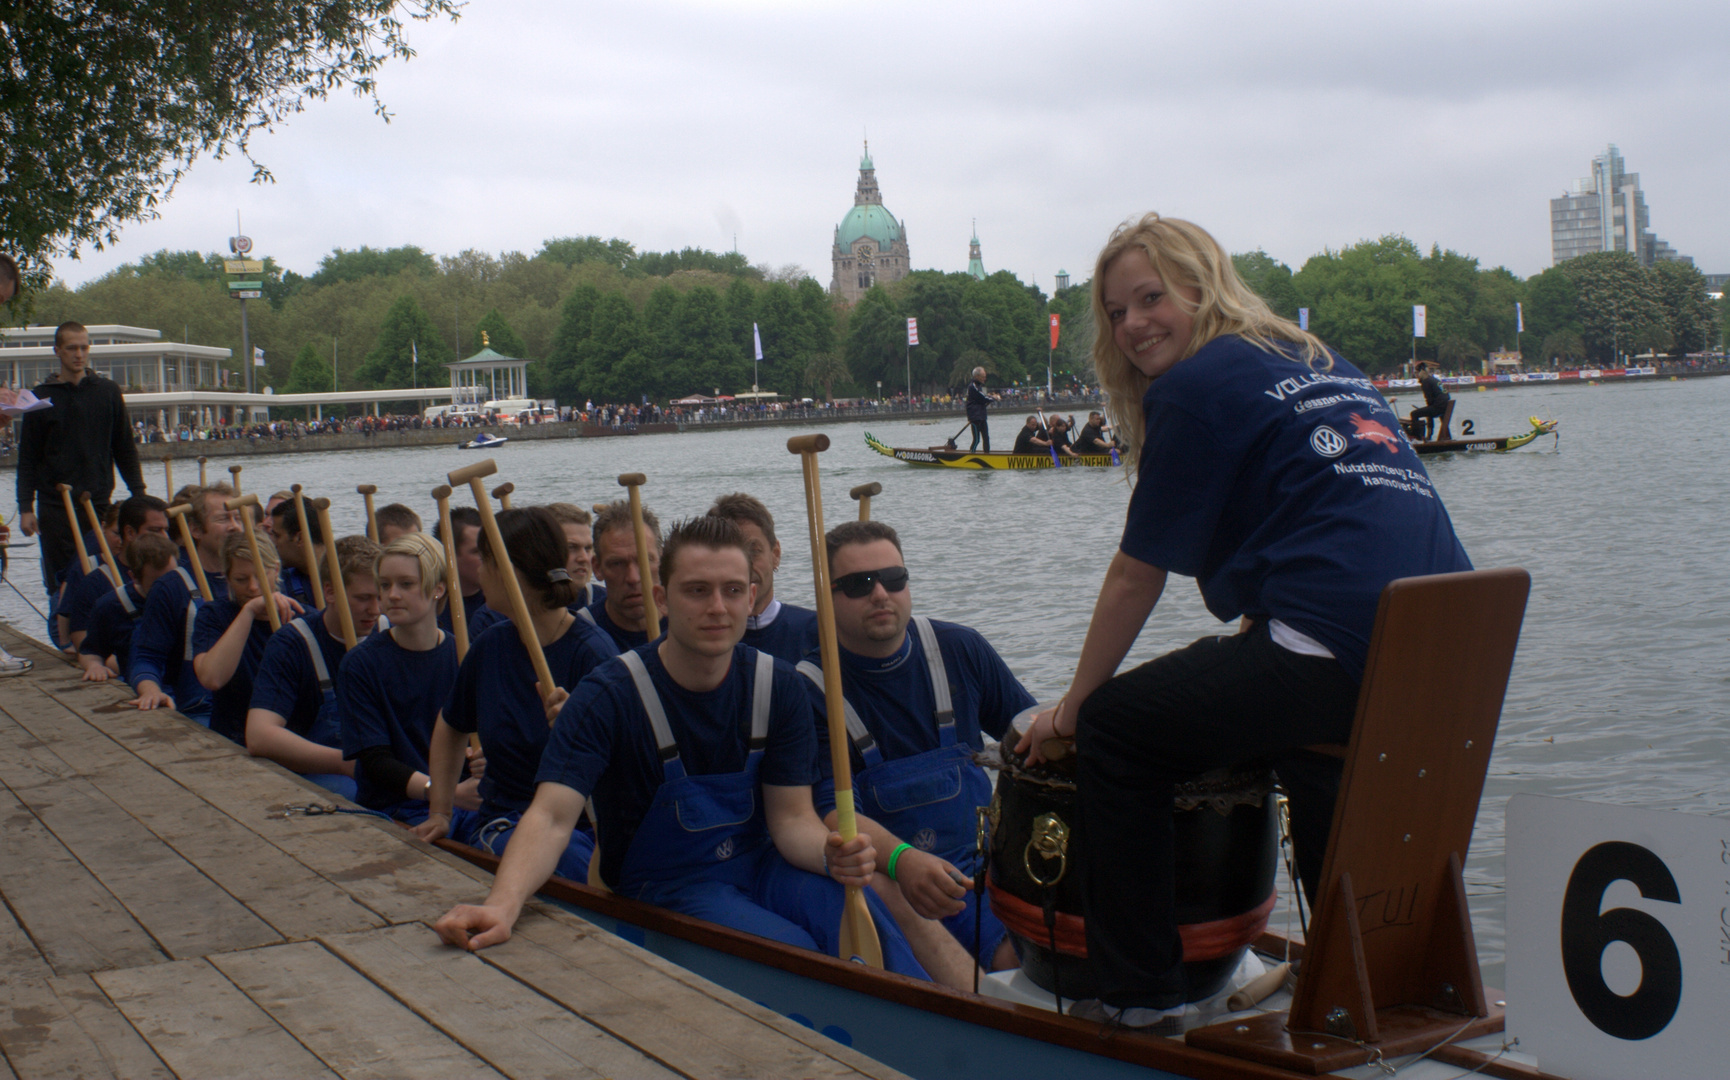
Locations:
(294, 584)
(286, 682)
(229, 704)
(389, 696)
(893, 697)
(109, 627)
(624, 639)
(791, 637)
(495, 696)
(476, 616)
(1286, 493)
(83, 593)
(602, 745)
(592, 591)
(159, 652)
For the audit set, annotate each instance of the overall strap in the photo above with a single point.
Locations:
(125, 593)
(939, 679)
(191, 586)
(857, 733)
(191, 610)
(762, 698)
(671, 764)
(317, 654)
(587, 616)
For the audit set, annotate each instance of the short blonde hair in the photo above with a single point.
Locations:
(237, 549)
(423, 549)
(1184, 254)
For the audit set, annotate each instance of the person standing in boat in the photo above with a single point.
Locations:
(781, 630)
(698, 753)
(978, 400)
(917, 704)
(620, 611)
(1435, 406)
(1267, 468)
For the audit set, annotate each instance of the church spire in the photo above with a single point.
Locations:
(867, 192)
(975, 265)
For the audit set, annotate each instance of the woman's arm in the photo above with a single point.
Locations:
(1126, 599)
(216, 665)
(268, 736)
(445, 767)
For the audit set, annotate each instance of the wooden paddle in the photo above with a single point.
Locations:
(177, 514)
(307, 548)
(168, 471)
(234, 471)
(338, 591)
(633, 482)
(201, 480)
(472, 475)
(863, 493)
(503, 493)
(858, 932)
(102, 540)
(77, 530)
(367, 491)
(244, 504)
(453, 584)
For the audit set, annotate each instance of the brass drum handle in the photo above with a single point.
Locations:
(1051, 840)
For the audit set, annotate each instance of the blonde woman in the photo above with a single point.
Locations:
(1270, 470)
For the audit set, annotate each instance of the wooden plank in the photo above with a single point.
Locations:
(520, 1032)
(19, 958)
(67, 1027)
(186, 912)
(292, 898)
(694, 1026)
(75, 923)
(354, 1027)
(201, 1025)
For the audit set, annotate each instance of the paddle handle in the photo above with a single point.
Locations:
(306, 546)
(828, 647)
(244, 504)
(366, 492)
(77, 530)
(633, 485)
(102, 541)
(234, 471)
(863, 493)
(168, 475)
(178, 514)
(453, 583)
(483, 467)
(201, 480)
(503, 493)
(519, 606)
(338, 591)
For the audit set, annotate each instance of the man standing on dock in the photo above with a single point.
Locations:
(78, 441)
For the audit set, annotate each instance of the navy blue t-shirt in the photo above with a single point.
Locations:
(389, 696)
(109, 628)
(602, 745)
(228, 705)
(1286, 493)
(159, 652)
(791, 637)
(82, 594)
(286, 682)
(295, 585)
(624, 639)
(495, 696)
(476, 616)
(893, 697)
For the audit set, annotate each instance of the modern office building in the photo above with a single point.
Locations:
(1606, 211)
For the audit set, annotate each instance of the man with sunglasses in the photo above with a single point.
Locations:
(917, 703)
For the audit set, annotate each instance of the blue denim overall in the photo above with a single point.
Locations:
(929, 800)
(326, 730)
(199, 710)
(703, 848)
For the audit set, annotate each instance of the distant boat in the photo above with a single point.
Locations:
(966, 459)
(484, 441)
(1494, 443)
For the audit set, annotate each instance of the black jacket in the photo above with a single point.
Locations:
(978, 400)
(79, 441)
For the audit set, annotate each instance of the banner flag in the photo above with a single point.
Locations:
(1519, 318)
(1055, 319)
(257, 357)
(912, 331)
(1304, 319)
(1418, 318)
(414, 352)
(757, 339)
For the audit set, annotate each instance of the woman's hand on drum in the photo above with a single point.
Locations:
(927, 886)
(1057, 722)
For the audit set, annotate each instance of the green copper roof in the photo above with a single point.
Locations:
(869, 219)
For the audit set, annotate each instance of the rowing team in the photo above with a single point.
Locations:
(701, 758)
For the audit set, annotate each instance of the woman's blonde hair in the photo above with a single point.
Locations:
(1184, 254)
(423, 549)
(237, 549)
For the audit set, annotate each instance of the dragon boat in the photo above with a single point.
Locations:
(943, 457)
(1538, 429)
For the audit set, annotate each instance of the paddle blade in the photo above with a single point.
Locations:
(858, 933)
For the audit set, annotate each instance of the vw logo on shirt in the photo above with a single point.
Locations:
(925, 839)
(724, 850)
(1327, 442)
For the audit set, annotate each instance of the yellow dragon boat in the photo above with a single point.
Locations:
(971, 459)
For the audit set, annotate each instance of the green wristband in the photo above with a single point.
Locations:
(895, 857)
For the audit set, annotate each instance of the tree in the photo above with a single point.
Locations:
(1562, 345)
(575, 250)
(1689, 314)
(1617, 300)
(1269, 279)
(825, 369)
(107, 105)
(503, 340)
(406, 333)
(309, 374)
(364, 262)
(962, 373)
(1361, 298)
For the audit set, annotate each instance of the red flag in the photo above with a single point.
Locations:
(912, 331)
(1055, 318)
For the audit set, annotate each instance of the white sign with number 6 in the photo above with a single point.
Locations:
(1618, 939)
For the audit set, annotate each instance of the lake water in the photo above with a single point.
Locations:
(1619, 689)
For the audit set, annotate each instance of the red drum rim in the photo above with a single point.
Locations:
(1201, 941)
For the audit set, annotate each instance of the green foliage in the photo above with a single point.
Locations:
(1690, 317)
(1270, 279)
(665, 264)
(1620, 308)
(1073, 357)
(823, 370)
(498, 336)
(309, 373)
(365, 262)
(574, 250)
(105, 106)
(391, 363)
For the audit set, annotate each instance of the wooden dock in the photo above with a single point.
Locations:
(162, 919)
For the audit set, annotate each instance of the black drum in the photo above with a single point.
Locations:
(1227, 846)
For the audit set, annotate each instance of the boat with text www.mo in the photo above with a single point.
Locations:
(943, 457)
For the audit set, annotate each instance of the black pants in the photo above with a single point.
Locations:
(1218, 702)
(1426, 413)
(980, 431)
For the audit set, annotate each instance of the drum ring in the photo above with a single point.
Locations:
(1051, 840)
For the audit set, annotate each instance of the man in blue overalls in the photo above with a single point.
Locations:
(674, 740)
(917, 703)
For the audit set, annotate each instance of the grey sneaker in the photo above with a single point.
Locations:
(14, 665)
(1148, 1021)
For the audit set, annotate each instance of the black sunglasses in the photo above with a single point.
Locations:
(858, 586)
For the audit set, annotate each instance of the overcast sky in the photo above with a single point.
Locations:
(1289, 127)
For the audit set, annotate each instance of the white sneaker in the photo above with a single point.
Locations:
(1150, 1021)
(14, 665)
